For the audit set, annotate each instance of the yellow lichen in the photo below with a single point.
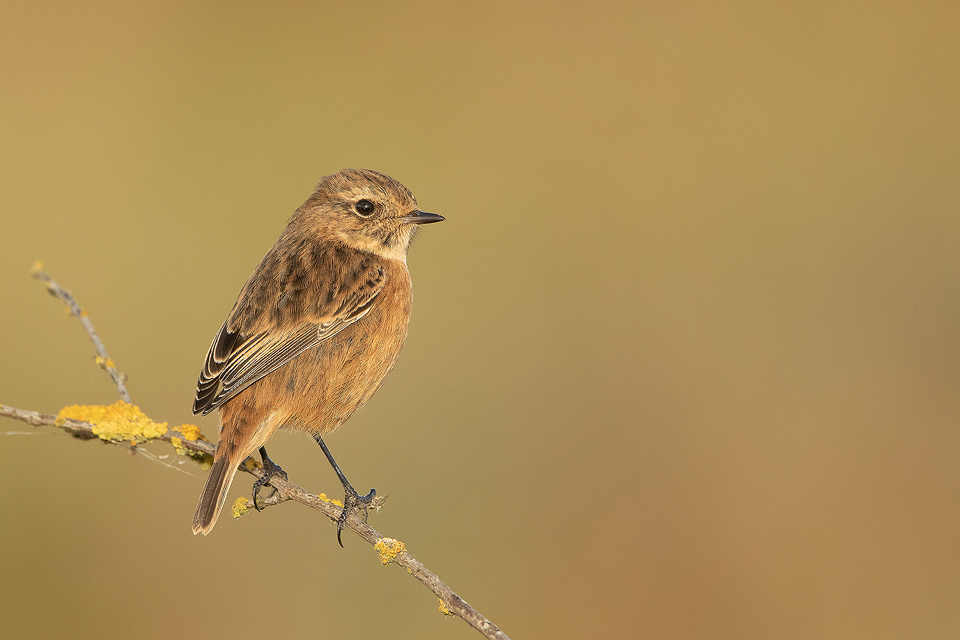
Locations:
(389, 549)
(443, 608)
(37, 267)
(105, 363)
(118, 422)
(324, 497)
(183, 451)
(190, 432)
(240, 507)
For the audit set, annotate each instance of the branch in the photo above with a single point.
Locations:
(184, 437)
(103, 358)
(128, 426)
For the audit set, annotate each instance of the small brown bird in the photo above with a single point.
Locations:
(315, 330)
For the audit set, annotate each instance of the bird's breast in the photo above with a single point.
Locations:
(325, 385)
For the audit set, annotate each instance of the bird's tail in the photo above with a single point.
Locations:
(214, 494)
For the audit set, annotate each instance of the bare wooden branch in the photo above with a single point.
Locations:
(103, 358)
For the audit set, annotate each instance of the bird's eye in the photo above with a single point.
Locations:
(365, 208)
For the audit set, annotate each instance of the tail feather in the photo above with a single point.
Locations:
(214, 494)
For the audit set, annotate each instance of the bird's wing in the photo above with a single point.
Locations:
(287, 307)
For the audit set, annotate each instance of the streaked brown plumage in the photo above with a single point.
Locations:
(315, 330)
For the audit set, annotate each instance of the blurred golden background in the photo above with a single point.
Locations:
(683, 360)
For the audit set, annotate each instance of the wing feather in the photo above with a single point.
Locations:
(258, 338)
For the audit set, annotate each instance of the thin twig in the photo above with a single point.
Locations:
(103, 358)
(285, 491)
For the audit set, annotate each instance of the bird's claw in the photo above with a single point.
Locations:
(353, 501)
(270, 470)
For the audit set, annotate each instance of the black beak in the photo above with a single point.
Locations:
(422, 217)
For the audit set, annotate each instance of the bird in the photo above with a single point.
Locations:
(314, 332)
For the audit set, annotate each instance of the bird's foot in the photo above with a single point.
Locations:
(353, 501)
(270, 471)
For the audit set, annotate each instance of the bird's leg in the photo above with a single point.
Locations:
(270, 469)
(351, 499)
